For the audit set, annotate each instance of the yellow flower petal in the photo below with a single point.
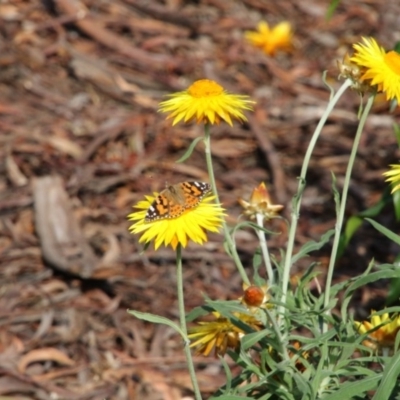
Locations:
(384, 329)
(393, 176)
(219, 334)
(192, 224)
(380, 69)
(271, 40)
(206, 101)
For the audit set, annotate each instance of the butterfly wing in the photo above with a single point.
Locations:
(164, 206)
(174, 200)
(194, 192)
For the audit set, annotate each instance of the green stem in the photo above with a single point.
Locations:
(182, 320)
(297, 198)
(228, 237)
(281, 340)
(264, 248)
(340, 217)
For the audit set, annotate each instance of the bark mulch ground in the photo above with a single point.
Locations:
(81, 142)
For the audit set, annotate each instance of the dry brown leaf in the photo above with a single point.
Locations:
(53, 286)
(61, 238)
(9, 12)
(9, 384)
(232, 147)
(45, 354)
(14, 173)
(157, 384)
(66, 146)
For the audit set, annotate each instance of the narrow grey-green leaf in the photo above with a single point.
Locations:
(156, 319)
(312, 246)
(251, 339)
(326, 83)
(228, 374)
(390, 375)
(387, 232)
(348, 391)
(231, 397)
(190, 149)
(372, 277)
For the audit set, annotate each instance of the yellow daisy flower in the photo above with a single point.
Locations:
(271, 40)
(179, 213)
(393, 176)
(385, 335)
(206, 101)
(379, 68)
(220, 334)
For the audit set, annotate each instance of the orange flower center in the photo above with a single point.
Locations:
(205, 88)
(392, 59)
(253, 296)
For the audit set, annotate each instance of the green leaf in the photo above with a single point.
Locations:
(355, 221)
(386, 273)
(385, 231)
(249, 224)
(228, 373)
(303, 386)
(331, 9)
(156, 319)
(231, 397)
(390, 375)
(198, 312)
(318, 375)
(336, 194)
(244, 360)
(396, 204)
(251, 339)
(145, 247)
(394, 290)
(352, 225)
(396, 129)
(237, 382)
(312, 246)
(257, 260)
(348, 391)
(189, 151)
(226, 308)
(326, 83)
(348, 294)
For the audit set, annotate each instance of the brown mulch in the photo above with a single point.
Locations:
(81, 142)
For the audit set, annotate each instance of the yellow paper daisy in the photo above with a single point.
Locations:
(393, 176)
(379, 68)
(220, 334)
(271, 40)
(206, 101)
(179, 213)
(385, 335)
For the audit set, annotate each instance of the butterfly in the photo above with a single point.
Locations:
(175, 199)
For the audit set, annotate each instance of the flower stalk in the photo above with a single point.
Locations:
(182, 323)
(342, 208)
(228, 237)
(302, 183)
(264, 248)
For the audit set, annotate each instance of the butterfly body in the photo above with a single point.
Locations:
(174, 200)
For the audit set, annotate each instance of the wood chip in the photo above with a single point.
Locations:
(62, 242)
